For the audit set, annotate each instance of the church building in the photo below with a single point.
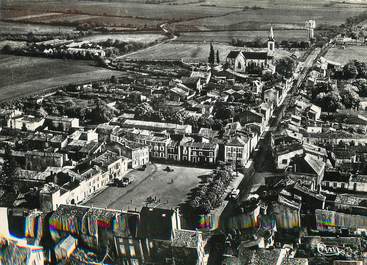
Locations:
(241, 61)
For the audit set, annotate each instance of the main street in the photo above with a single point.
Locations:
(262, 164)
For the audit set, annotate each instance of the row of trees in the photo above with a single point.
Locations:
(213, 57)
(353, 69)
(210, 195)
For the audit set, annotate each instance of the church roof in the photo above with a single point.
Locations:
(256, 55)
(233, 54)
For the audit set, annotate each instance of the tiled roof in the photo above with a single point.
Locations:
(336, 176)
(233, 54)
(316, 164)
(256, 55)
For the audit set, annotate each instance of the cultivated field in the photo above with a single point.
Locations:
(189, 52)
(343, 56)
(126, 9)
(227, 36)
(171, 188)
(184, 15)
(21, 28)
(21, 76)
(287, 18)
(142, 38)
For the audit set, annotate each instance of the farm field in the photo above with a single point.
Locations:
(26, 75)
(21, 28)
(185, 15)
(263, 18)
(127, 9)
(343, 56)
(189, 52)
(100, 21)
(246, 35)
(142, 38)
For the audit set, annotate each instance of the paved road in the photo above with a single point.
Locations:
(263, 162)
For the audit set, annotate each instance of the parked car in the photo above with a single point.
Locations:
(168, 169)
(235, 193)
(143, 167)
(126, 181)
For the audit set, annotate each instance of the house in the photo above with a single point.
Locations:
(208, 133)
(179, 93)
(64, 123)
(200, 153)
(358, 183)
(272, 96)
(38, 161)
(6, 115)
(204, 75)
(237, 150)
(267, 110)
(113, 163)
(256, 87)
(342, 155)
(104, 131)
(313, 112)
(283, 154)
(92, 176)
(137, 153)
(26, 122)
(335, 179)
(193, 82)
(309, 165)
(250, 116)
(157, 142)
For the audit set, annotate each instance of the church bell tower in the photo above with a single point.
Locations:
(271, 41)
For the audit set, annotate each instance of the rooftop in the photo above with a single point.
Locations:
(185, 238)
(157, 125)
(106, 159)
(336, 176)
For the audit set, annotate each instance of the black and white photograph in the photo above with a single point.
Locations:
(183, 132)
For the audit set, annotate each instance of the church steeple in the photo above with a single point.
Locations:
(271, 41)
(271, 34)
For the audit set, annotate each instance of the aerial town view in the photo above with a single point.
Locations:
(183, 132)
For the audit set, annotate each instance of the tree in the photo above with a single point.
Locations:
(211, 58)
(361, 69)
(101, 113)
(350, 70)
(349, 98)
(362, 87)
(329, 102)
(285, 67)
(113, 79)
(218, 60)
(143, 110)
